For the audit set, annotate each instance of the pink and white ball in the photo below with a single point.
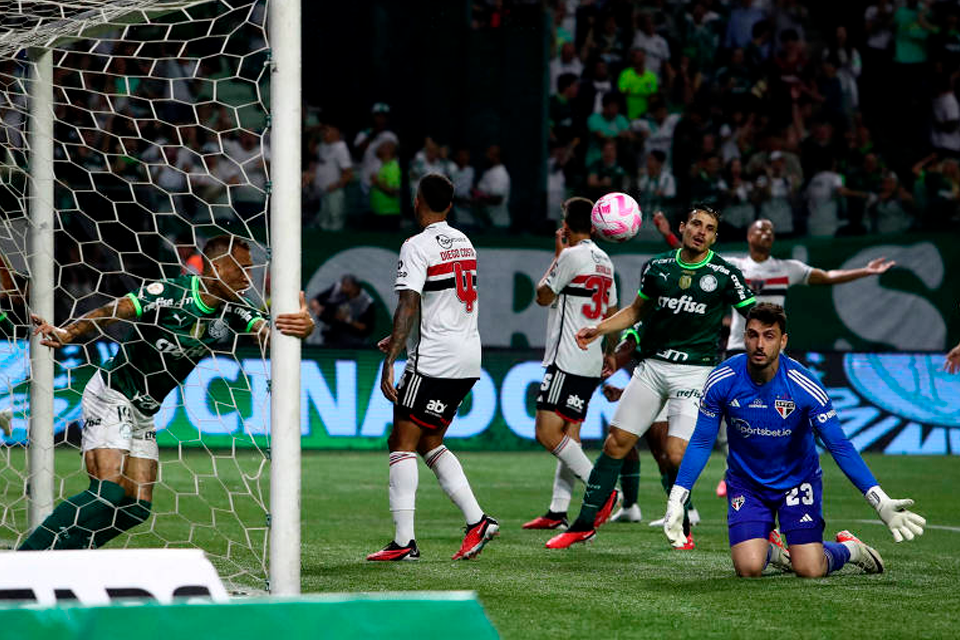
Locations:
(616, 217)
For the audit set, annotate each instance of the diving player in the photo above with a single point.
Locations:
(774, 407)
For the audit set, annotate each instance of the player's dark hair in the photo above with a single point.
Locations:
(436, 191)
(576, 213)
(223, 245)
(707, 209)
(767, 314)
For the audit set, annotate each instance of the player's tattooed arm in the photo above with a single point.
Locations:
(120, 309)
(545, 294)
(403, 318)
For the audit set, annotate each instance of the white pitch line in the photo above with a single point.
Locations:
(942, 527)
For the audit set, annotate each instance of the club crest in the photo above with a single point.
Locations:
(737, 502)
(785, 407)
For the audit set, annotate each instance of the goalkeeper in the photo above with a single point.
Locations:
(174, 324)
(774, 407)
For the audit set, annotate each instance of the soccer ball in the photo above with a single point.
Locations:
(616, 217)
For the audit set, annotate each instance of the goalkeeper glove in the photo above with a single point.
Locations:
(673, 518)
(902, 523)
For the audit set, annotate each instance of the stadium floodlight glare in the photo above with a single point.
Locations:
(131, 130)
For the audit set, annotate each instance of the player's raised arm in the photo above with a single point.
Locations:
(626, 317)
(125, 308)
(903, 524)
(839, 276)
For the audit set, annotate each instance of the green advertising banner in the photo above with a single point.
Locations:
(897, 403)
(913, 307)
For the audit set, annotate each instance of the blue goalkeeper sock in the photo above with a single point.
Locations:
(837, 555)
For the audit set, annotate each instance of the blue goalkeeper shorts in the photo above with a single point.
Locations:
(752, 510)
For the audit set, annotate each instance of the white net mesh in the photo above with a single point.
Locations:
(160, 114)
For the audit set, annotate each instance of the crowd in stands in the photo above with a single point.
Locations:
(751, 107)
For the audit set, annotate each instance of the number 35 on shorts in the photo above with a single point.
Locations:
(800, 495)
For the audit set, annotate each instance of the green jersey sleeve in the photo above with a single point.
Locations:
(649, 282)
(243, 317)
(155, 294)
(737, 293)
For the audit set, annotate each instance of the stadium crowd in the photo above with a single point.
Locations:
(749, 105)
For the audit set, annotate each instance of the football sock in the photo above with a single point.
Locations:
(570, 452)
(403, 494)
(75, 520)
(671, 479)
(130, 513)
(630, 481)
(454, 482)
(838, 554)
(563, 481)
(602, 480)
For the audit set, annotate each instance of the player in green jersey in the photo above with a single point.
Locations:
(682, 299)
(13, 287)
(173, 325)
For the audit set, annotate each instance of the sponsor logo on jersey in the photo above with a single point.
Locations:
(708, 283)
(757, 404)
(823, 417)
(737, 503)
(683, 303)
(707, 412)
(435, 407)
(746, 430)
(446, 242)
(673, 355)
(735, 403)
(92, 422)
(575, 402)
(687, 393)
(155, 288)
(400, 272)
(144, 402)
(784, 407)
(685, 281)
(159, 302)
(174, 350)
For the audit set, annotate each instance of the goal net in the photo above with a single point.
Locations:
(160, 114)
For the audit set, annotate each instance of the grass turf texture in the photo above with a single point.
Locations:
(628, 583)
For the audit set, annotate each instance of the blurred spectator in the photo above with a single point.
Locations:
(701, 37)
(609, 124)
(824, 197)
(346, 312)
(735, 81)
(556, 182)
(654, 46)
(789, 15)
(191, 261)
(566, 62)
(686, 82)
(656, 130)
(863, 184)
(912, 31)
(878, 52)
(593, 87)
(366, 142)
(846, 59)
(706, 186)
(385, 189)
(945, 128)
(606, 174)
(431, 159)
(740, 24)
(936, 192)
(792, 75)
(656, 187)
(947, 47)
(564, 24)
(757, 53)
(333, 172)
(604, 40)
(493, 190)
(737, 197)
(891, 211)
(687, 140)
(462, 175)
(637, 83)
(563, 123)
(776, 190)
(819, 149)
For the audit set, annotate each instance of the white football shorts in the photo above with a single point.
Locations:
(110, 421)
(657, 387)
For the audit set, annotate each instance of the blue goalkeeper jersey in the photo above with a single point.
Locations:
(770, 427)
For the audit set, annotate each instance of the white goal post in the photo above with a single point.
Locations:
(32, 33)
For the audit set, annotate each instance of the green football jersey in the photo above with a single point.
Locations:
(691, 300)
(172, 332)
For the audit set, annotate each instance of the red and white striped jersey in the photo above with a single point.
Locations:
(769, 281)
(583, 282)
(440, 264)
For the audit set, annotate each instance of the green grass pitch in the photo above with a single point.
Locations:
(628, 583)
